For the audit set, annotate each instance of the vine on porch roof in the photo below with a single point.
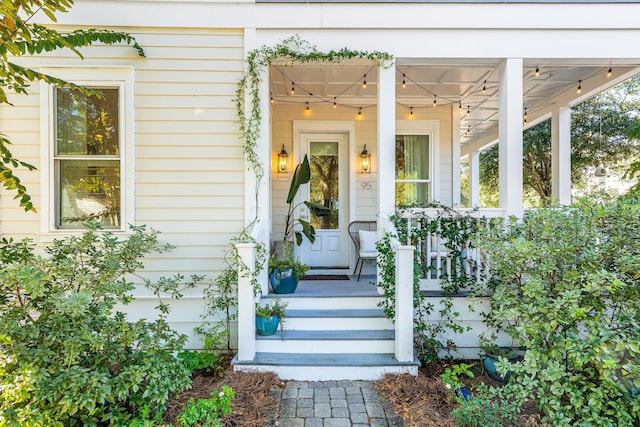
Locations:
(292, 50)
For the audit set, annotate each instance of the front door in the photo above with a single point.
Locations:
(328, 158)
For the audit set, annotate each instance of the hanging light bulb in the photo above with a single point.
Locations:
(579, 90)
(364, 82)
(360, 112)
(525, 115)
(435, 104)
(271, 97)
(411, 111)
(404, 83)
(610, 72)
(460, 107)
(293, 88)
(484, 87)
(307, 106)
(334, 102)
(537, 73)
(468, 110)
(469, 130)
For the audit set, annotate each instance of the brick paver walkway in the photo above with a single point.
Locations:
(333, 404)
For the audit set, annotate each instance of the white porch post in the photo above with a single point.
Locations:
(455, 155)
(386, 141)
(474, 179)
(510, 136)
(404, 304)
(561, 154)
(246, 303)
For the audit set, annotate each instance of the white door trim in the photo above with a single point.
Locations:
(323, 126)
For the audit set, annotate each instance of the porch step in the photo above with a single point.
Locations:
(325, 302)
(337, 319)
(327, 341)
(334, 366)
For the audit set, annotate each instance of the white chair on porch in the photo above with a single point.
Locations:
(364, 235)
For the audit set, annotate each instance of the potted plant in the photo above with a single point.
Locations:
(284, 270)
(492, 355)
(284, 274)
(268, 317)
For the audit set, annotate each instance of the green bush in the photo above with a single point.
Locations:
(567, 285)
(207, 412)
(67, 358)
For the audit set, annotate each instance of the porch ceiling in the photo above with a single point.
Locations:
(453, 83)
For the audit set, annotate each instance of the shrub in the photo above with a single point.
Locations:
(67, 357)
(567, 284)
(207, 412)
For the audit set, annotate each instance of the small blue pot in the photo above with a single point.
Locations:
(283, 282)
(489, 363)
(267, 326)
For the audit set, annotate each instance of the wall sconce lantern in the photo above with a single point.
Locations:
(365, 160)
(282, 160)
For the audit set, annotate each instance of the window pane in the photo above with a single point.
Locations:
(324, 183)
(89, 191)
(412, 157)
(86, 125)
(412, 192)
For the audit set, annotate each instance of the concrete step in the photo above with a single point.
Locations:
(327, 366)
(337, 319)
(301, 302)
(327, 341)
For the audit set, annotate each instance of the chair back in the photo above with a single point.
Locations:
(355, 226)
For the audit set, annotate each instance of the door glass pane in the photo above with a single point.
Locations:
(89, 191)
(412, 157)
(86, 125)
(408, 193)
(323, 187)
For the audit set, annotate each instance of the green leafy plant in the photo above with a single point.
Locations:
(484, 411)
(278, 308)
(451, 374)
(299, 269)
(205, 361)
(567, 289)
(207, 412)
(67, 357)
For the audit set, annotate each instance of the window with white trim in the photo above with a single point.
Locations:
(89, 174)
(86, 159)
(414, 164)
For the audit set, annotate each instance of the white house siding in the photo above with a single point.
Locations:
(189, 166)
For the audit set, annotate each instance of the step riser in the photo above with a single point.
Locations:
(328, 303)
(330, 373)
(324, 346)
(336, 323)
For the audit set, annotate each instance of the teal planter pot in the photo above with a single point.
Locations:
(489, 362)
(283, 282)
(266, 326)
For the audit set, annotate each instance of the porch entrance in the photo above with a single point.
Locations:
(328, 158)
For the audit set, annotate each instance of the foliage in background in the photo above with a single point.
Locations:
(458, 231)
(67, 357)
(21, 37)
(599, 137)
(566, 282)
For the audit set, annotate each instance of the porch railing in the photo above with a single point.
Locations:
(403, 318)
(441, 258)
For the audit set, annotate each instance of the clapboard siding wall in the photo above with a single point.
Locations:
(189, 166)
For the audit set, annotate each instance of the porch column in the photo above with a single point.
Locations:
(386, 140)
(561, 154)
(246, 303)
(474, 179)
(455, 155)
(510, 136)
(404, 304)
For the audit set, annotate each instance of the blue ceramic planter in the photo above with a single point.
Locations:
(283, 282)
(489, 363)
(266, 326)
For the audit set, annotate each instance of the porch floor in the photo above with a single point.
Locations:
(332, 288)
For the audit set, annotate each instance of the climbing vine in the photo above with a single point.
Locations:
(292, 50)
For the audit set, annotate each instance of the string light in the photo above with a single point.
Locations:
(404, 83)
(334, 102)
(537, 73)
(411, 111)
(610, 72)
(468, 110)
(307, 106)
(271, 97)
(360, 112)
(525, 115)
(434, 100)
(484, 87)
(364, 82)
(460, 107)
(293, 88)
(579, 90)
(469, 130)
